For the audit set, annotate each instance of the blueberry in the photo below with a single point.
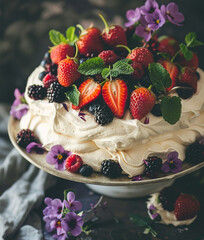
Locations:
(156, 110)
(42, 75)
(85, 170)
(82, 60)
(43, 63)
(47, 57)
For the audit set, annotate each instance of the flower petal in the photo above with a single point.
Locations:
(76, 231)
(70, 197)
(36, 147)
(50, 158)
(165, 167)
(76, 206)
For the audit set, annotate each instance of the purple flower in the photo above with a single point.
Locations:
(82, 115)
(144, 32)
(146, 121)
(149, 7)
(57, 156)
(72, 223)
(19, 107)
(137, 178)
(132, 16)
(54, 208)
(36, 147)
(71, 204)
(155, 20)
(173, 163)
(171, 12)
(153, 211)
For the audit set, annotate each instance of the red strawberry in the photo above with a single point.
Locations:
(172, 70)
(168, 45)
(109, 57)
(73, 163)
(48, 79)
(60, 52)
(142, 101)
(89, 41)
(67, 72)
(193, 63)
(138, 71)
(113, 35)
(89, 91)
(186, 207)
(141, 55)
(188, 77)
(115, 95)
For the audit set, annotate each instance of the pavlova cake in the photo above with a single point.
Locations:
(116, 101)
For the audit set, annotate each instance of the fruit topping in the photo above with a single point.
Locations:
(152, 166)
(195, 153)
(138, 71)
(55, 93)
(168, 197)
(102, 114)
(42, 75)
(192, 63)
(168, 45)
(109, 57)
(73, 163)
(86, 170)
(111, 168)
(156, 110)
(36, 92)
(187, 76)
(24, 137)
(60, 52)
(48, 79)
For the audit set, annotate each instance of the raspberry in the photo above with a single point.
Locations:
(36, 92)
(73, 163)
(152, 166)
(48, 79)
(85, 170)
(55, 93)
(111, 168)
(109, 57)
(102, 114)
(24, 137)
(195, 153)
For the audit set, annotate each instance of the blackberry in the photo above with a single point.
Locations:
(152, 166)
(110, 168)
(168, 197)
(86, 170)
(55, 93)
(42, 75)
(52, 68)
(36, 92)
(195, 153)
(93, 106)
(103, 115)
(185, 93)
(24, 137)
(156, 110)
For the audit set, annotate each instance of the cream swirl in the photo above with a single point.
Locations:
(126, 140)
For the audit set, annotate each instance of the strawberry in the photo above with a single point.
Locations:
(73, 163)
(48, 79)
(60, 52)
(109, 57)
(188, 77)
(114, 35)
(168, 45)
(141, 55)
(67, 72)
(89, 91)
(172, 70)
(186, 207)
(89, 41)
(115, 95)
(138, 71)
(142, 101)
(193, 63)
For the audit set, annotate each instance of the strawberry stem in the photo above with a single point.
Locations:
(176, 54)
(105, 23)
(102, 83)
(126, 47)
(83, 31)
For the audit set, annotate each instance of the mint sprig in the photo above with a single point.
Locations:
(73, 95)
(92, 66)
(171, 108)
(159, 77)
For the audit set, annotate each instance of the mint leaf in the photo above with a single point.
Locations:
(122, 67)
(56, 37)
(188, 54)
(159, 77)
(73, 95)
(105, 73)
(92, 66)
(171, 109)
(140, 221)
(71, 36)
(190, 38)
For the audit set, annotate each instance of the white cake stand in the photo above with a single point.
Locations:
(121, 187)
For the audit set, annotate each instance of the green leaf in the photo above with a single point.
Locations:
(122, 67)
(105, 73)
(171, 109)
(159, 77)
(92, 66)
(188, 54)
(73, 95)
(190, 38)
(56, 37)
(139, 220)
(71, 36)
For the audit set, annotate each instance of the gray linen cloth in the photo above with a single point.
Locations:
(22, 188)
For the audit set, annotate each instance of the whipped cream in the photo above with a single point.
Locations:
(166, 216)
(126, 140)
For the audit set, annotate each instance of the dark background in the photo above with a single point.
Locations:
(24, 26)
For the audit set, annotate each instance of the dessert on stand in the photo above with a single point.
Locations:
(121, 107)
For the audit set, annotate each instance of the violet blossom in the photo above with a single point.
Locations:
(72, 223)
(173, 163)
(57, 156)
(155, 20)
(19, 107)
(54, 208)
(153, 211)
(171, 12)
(137, 178)
(36, 147)
(71, 204)
(54, 224)
(149, 7)
(132, 16)
(143, 30)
